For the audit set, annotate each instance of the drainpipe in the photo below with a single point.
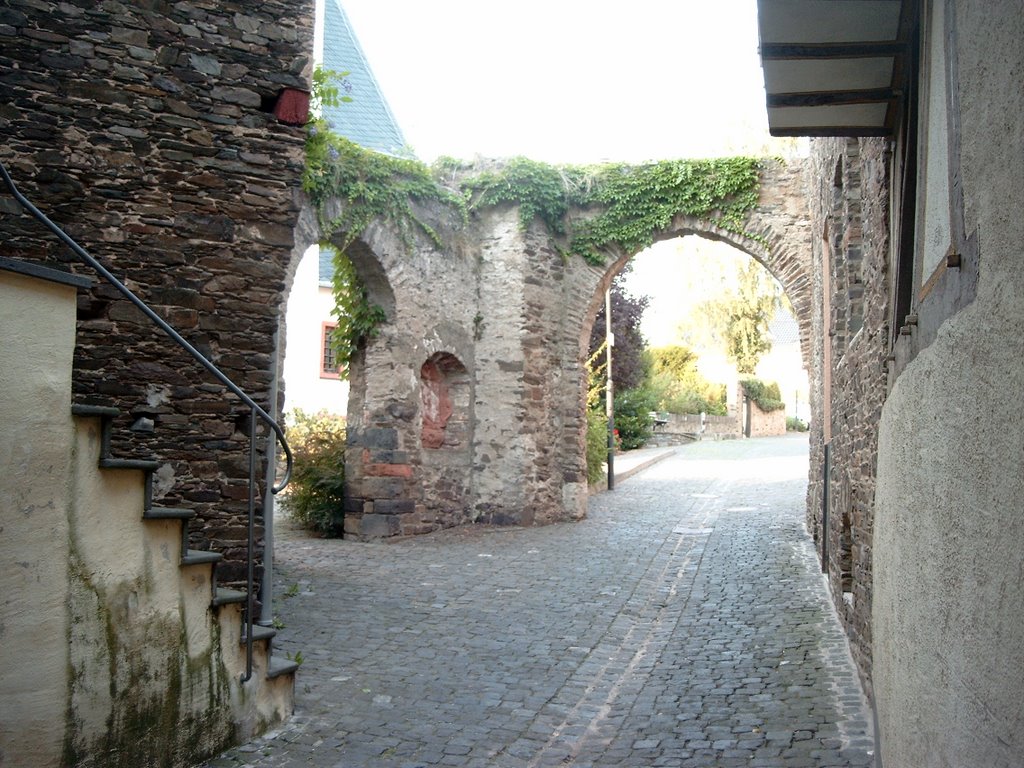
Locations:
(609, 398)
(826, 474)
(267, 585)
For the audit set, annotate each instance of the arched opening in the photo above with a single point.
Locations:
(682, 275)
(444, 403)
(314, 381)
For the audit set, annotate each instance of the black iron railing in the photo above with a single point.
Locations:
(255, 411)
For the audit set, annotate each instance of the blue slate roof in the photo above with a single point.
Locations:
(367, 119)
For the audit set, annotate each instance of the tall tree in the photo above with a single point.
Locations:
(739, 318)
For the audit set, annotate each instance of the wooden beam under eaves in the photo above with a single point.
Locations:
(831, 98)
(841, 131)
(861, 50)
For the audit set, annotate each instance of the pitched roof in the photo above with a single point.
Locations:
(367, 119)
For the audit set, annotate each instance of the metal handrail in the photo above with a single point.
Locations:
(255, 409)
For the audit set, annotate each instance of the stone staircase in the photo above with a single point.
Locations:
(119, 648)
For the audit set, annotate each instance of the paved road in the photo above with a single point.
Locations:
(684, 623)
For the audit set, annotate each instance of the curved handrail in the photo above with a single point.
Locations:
(159, 321)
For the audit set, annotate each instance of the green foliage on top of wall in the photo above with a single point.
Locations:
(634, 203)
(537, 188)
(767, 396)
(625, 206)
(368, 185)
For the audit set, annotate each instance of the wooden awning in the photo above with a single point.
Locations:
(832, 67)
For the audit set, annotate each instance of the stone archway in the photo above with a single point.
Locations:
(515, 314)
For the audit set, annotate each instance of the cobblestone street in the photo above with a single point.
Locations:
(683, 623)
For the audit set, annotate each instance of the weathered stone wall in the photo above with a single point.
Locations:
(503, 305)
(146, 130)
(849, 206)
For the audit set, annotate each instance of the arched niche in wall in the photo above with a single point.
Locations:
(444, 402)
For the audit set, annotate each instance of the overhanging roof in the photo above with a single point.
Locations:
(832, 67)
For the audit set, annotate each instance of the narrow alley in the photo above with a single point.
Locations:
(683, 623)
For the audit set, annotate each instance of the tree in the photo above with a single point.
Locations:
(678, 361)
(678, 386)
(628, 368)
(739, 319)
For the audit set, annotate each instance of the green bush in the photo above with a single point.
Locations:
(675, 396)
(315, 493)
(678, 386)
(767, 396)
(793, 424)
(597, 444)
(633, 416)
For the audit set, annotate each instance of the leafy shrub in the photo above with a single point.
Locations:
(597, 444)
(675, 396)
(793, 424)
(633, 416)
(767, 396)
(315, 493)
(678, 386)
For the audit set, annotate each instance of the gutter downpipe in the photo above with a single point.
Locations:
(267, 585)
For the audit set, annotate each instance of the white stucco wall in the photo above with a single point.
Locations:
(36, 346)
(309, 306)
(949, 526)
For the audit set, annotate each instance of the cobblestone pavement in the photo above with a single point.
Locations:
(684, 623)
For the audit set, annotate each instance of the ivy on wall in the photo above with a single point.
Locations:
(767, 396)
(626, 206)
(637, 202)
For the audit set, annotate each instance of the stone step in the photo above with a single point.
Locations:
(259, 633)
(168, 513)
(200, 556)
(146, 465)
(99, 411)
(281, 667)
(225, 596)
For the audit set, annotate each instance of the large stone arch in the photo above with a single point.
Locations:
(779, 252)
(505, 304)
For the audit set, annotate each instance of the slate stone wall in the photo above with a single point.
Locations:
(849, 204)
(146, 130)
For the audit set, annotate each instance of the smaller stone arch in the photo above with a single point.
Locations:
(445, 398)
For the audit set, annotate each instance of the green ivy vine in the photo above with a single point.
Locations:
(358, 319)
(625, 206)
(368, 185)
(767, 396)
(637, 202)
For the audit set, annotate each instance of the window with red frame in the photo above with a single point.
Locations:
(329, 368)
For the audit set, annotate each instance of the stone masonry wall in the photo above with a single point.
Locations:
(849, 209)
(512, 317)
(147, 130)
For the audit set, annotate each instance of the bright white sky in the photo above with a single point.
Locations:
(568, 81)
(577, 81)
